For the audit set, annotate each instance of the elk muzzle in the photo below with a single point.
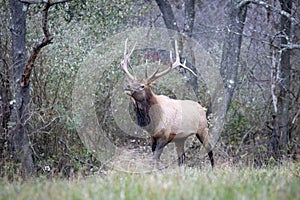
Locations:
(128, 89)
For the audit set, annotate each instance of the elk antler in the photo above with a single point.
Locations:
(173, 65)
(126, 60)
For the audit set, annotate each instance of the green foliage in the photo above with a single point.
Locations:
(77, 27)
(245, 133)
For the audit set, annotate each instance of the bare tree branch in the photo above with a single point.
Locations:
(47, 39)
(295, 117)
(267, 6)
(33, 1)
(44, 1)
(291, 46)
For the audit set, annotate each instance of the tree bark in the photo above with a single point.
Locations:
(189, 18)
(170, 22)
(231, 48)
(4, 95)
(285, 75)
(168, 15)
(189, 6)
(19, 114)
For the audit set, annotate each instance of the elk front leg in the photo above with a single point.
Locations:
(179, 144)
(160, 144)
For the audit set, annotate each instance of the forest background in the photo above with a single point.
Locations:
(44, 43)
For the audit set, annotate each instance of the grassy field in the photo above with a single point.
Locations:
(189, 183)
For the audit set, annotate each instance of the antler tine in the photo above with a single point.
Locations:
(185, 67)
(173, 65)
(146, 69)
(178, 63)
(125, 61)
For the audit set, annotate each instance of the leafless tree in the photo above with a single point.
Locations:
(22, 68)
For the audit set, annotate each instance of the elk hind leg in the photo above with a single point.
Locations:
(203, 138)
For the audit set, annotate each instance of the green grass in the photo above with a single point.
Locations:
(190, 183)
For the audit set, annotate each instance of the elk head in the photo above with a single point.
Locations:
(140, 90)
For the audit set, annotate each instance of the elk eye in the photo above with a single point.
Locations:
(142, 86)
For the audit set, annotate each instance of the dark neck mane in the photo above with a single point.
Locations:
(142, 108)
(142, 113)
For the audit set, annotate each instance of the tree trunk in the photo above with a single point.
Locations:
(189, 18)
(21, 96)
(285, 75)
(4, 102)
(168, 15)
(231, 48)
(4, 96)
(170, 22)
(189, 6)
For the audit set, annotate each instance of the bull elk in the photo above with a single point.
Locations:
(165, 120)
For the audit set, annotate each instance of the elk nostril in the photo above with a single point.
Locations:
(127, 87)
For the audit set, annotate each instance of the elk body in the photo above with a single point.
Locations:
(166, 120)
